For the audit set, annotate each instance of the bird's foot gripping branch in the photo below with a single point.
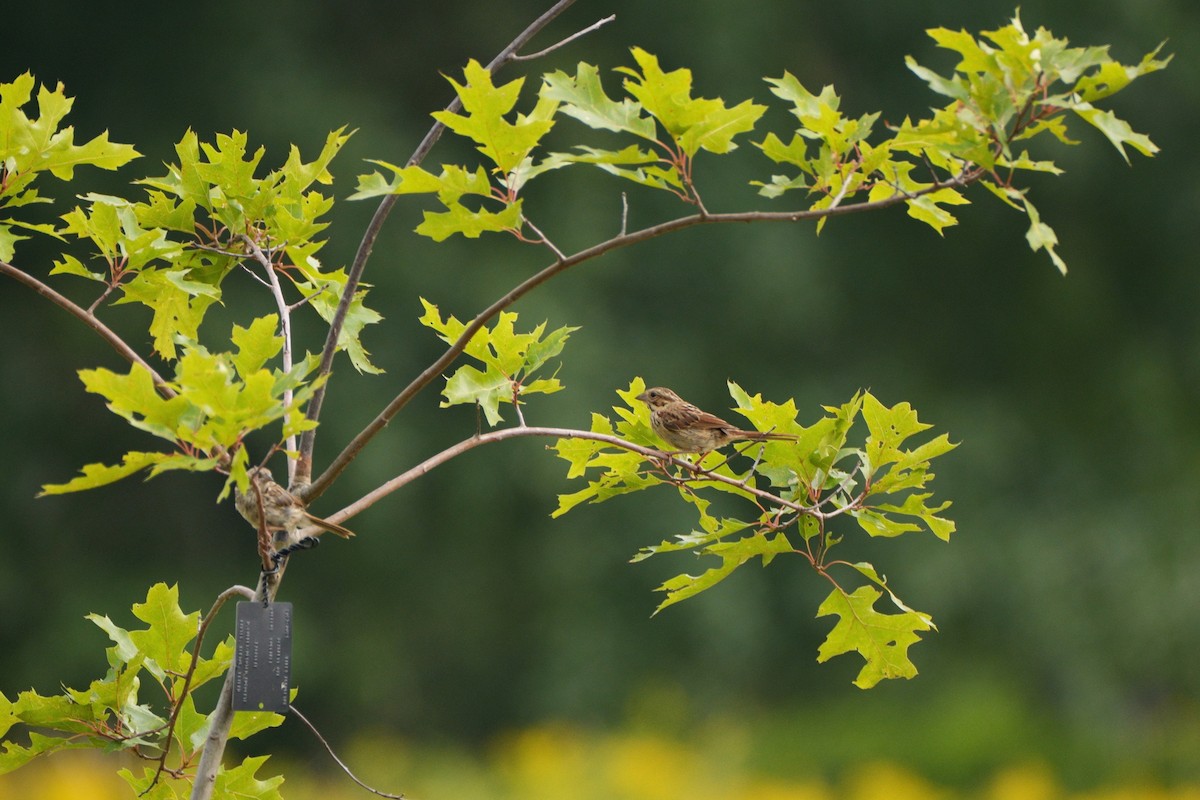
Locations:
(802, 493)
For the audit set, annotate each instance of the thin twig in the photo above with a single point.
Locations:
(285, 323)
(367, 244)
(102, 330)
(103, 295)
(427, 376)
(594, 26)
(305, 299)
(545, 240)
(208, 248)
(296, 713)
(254, 275)
(837, 199)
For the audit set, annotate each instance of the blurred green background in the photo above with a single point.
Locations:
(1067, 603)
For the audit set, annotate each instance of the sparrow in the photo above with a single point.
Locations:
(690, 430)
(284, 511)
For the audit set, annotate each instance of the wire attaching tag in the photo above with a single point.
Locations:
(262, 659)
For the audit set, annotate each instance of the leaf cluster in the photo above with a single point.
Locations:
(32, 146)
(214, 211)
(506, 145)
(112, 712)
(509, 360)
(791, 497)
(214, 402)
(1008, 88)
(217, 212)
(172, 251)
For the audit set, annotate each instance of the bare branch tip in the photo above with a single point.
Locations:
(564, 42)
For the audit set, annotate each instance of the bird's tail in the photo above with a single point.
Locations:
(332, 527)
(760, 435)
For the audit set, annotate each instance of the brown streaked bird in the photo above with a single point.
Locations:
(285, 512)
(690, 430)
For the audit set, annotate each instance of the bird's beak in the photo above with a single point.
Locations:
(644, 396)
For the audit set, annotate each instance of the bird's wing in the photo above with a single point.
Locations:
(691, 417)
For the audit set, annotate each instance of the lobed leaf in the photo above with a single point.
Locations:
(240, 781)
(1115, 130)
(1111, 77)
(15, 756)
(30, 146)
(35, 144)
(693, 123)
(169, 631)
(881, 639)
(712, 530)
(1041, 236)
(915, 505)
(441, 225)
(255, 345)
(732, 555)
(888, 427)
(145, 787)
(97, 475)
(178, 305)
(324, 290)
(583, 98)
(509, 359)
(506, 144)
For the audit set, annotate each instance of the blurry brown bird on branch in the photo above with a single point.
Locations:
(690, 430)
(284, 511)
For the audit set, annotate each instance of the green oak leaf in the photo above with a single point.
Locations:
(168, 633)
(216, 665)
(877, 524)
(472, 385)
(712, 530)
(648, 172)
(15, 756)
(583, 97)
(1115, 130)
(240, 781)
(214, 400)
(124, 650)
(694, 123)
(441, 225)
(888, 427)
(732, 554)
(163, 789)
(914, 505)
(30, 146)
(1041, 236)
(405, 180)
(34, 144)
(509, 360)
(325, 295)
(256, 345)
(1111, 77)
(96, 475)
(621, 470)
(881, 639)
(504, 143)
(177, 302)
